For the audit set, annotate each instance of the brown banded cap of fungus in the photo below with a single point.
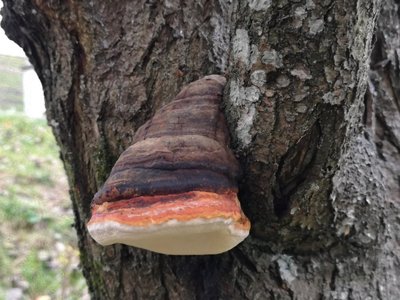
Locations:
(174, 191)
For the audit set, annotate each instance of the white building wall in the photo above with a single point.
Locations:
(33, 94)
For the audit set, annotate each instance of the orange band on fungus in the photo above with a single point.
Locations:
(153, 210)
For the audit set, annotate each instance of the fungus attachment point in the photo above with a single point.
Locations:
(174, 191)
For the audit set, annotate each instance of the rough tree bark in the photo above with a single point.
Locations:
(320, 157)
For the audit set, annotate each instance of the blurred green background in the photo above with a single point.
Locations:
(11, 82)
(39, 258)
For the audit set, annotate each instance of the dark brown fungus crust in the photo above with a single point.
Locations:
(177, 182)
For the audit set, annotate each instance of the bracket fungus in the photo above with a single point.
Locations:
(174, 190)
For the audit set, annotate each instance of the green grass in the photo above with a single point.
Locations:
(39, 275)
(11, 82)
(10, 79)
(21, 214)
(37, 241)
(12, 61)
(27, 151)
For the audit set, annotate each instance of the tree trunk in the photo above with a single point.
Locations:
(320, 158)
